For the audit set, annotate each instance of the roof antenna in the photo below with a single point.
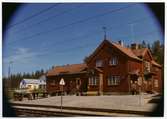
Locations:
(104, 28)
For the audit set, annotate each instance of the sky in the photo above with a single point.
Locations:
(42, 35)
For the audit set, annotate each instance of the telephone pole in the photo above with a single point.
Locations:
(9, 74)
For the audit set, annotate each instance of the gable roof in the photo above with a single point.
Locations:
(128, 52)
(67, 69)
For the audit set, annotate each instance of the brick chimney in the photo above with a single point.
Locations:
(134, 46)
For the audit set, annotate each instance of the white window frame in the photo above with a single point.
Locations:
(147, 66)
(93, 80)
(99, 63)
(113, 80)
(113, 60)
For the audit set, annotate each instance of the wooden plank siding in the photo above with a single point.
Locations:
(70, 83)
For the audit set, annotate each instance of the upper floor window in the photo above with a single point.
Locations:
(93, 80)
(113, 80)
(113, 61)
(99, 63)
(147, 66)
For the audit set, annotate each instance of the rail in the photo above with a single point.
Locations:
(77, 111)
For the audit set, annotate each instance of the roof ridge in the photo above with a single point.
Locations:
(70, 64)
(71, 68)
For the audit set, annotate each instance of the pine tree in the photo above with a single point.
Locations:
(158, 51)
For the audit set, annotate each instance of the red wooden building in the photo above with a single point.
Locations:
(112, 68)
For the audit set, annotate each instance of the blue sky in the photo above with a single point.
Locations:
(42, 35)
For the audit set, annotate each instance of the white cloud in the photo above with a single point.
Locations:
(23, 55)
(22, 50)
(24, 60)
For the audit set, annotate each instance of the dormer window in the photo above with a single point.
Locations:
(113, 61)
(99, 63)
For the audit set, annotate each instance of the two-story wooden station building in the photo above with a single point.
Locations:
(111, 69)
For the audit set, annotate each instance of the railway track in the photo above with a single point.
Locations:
(31, 110)
(42, 113)
(45, 112)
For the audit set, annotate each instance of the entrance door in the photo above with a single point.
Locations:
(134, 84)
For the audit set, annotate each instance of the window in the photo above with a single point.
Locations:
(99, 63)
(113, 61)
(93, 80)
(147, 66)
(113, 80)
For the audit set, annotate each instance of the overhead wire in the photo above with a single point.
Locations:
(92, 33)
(84, 46)
(73, 23)
(76, 49)
(62, 42)
(48, 18)
(33, 15)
